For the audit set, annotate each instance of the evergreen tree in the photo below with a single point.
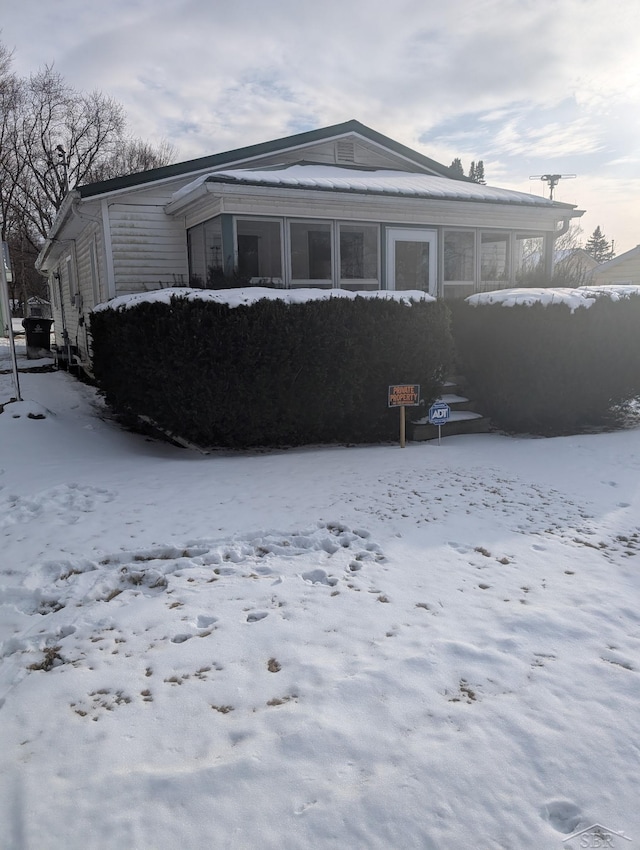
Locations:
(456, 167)
(599, 247)
(476, 172)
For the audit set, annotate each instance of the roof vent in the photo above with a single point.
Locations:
(345, 151)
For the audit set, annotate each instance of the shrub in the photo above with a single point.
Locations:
(545, 370)
(271, 373)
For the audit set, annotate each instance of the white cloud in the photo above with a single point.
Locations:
(499, 80)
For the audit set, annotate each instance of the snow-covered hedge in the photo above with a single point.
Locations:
(251, 367)
(556, 361)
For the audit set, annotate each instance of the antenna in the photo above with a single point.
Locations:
(552, 180)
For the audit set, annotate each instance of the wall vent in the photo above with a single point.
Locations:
(345, 151)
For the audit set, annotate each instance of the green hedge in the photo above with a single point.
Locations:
(271, 373)
(545, 370)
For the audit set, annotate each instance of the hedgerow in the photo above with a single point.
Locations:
(546, 370)
(271, 373)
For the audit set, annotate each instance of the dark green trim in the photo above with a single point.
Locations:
(239, 154)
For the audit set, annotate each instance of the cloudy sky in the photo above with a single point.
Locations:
(528, 86)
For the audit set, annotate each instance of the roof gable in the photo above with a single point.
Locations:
(350, 143)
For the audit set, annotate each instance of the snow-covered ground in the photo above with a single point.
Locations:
(330, 647)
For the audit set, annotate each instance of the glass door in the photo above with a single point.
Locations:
(411, 260)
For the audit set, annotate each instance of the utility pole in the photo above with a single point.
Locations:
(63, 160)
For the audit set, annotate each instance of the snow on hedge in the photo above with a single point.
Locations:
(245, 296)
(583, 296)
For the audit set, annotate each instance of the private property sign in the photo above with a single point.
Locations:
(404, 395)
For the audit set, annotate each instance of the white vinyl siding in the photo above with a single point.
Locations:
(627, 271)
(149, 248)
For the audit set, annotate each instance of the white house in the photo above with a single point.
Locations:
(342, 206)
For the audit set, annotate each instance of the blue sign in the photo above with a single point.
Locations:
(439, 413)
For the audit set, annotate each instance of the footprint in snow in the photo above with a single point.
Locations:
(563, 815)
(204, 621)
(319, 576)
(182, 638)
(254, 616)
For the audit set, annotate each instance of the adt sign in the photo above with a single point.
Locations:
(439, 413)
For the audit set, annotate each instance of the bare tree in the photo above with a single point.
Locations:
(52, 139)
(61, 135)
(132, 156)
(10, 98)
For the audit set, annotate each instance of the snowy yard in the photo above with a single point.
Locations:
(331, 647)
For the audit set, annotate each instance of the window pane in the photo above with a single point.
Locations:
(412, 265)
(459, 259)
(205, 252)
(311, 255)
(259, 249)
(494, 258)
(358, 253)
(213, 247)
(529, 259)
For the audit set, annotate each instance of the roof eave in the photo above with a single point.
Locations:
(173, 207)
(62, 216)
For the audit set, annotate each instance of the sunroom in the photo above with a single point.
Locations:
(320, 226)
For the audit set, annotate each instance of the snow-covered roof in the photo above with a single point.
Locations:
(334, 178)
(245, 296)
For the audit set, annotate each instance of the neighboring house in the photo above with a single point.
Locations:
(342, 206)
(624, 269)
(574, 263)
(38, 307)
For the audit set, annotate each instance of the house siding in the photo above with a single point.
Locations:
(627, 271)
(149, 249)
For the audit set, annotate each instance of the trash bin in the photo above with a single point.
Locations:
(38, 337)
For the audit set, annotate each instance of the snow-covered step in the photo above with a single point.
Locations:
(454, 416)
(453, 398)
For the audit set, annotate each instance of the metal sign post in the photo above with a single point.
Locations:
(6, 312)
(439, 415)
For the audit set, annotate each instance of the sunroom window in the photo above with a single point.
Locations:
(359, 256)
(459, 263)
(205, 253)
(529, 259)
(494, 261)
(259, 250)
(311, 254)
